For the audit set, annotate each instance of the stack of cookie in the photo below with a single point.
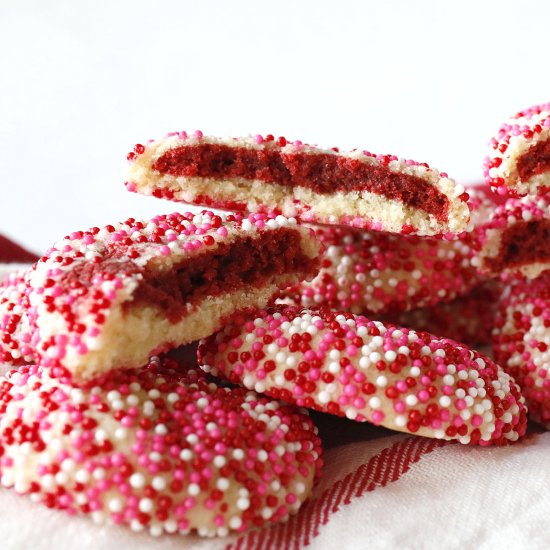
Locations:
(516, 248)
(93, 421)
(111, 411)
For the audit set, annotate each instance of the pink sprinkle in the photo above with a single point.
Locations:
(477, 420)
(460, 404)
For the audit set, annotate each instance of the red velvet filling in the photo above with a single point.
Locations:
(523, 243)
(323, 173)
(246, 262)
(536, 160)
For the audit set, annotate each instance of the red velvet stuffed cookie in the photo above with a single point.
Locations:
(109, 298)
(515, 241)
(367, 371)
(159, 448)
(260, 174)
(518, 163)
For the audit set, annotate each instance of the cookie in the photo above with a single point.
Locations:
(110, 298)
(365, 370)
(373, 272)
(521, 342)
(518, 163)
(261, 174)
(369, 272)
(159, 449)
(514, 243)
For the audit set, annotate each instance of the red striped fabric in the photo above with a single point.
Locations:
(383, 468)
(11, 252)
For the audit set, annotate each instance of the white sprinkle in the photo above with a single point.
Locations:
(235, 522)
(374, 402)
(414, 371)
(323, 397)
(400, 421)
(222, 484)
(158, 483)
(334, 367)
(186, 454)
(137, 481)
(145, 505)
(445, 401)
(115, 505)
(82, 476)
(193, 489)
(219, 461)
(161, 429)
(238, 454)
(243, 504)
(411, 400)
(98, 473)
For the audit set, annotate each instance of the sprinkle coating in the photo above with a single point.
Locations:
(160, 448)
(365, 370)
(521, 342)
(374, 272)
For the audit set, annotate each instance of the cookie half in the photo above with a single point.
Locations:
(109, 298)
(468, 319)
(261, 174)
(365, 370)
(514, 243)
(159, 448)
(518, 163)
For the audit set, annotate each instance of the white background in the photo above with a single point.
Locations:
(82, 82)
